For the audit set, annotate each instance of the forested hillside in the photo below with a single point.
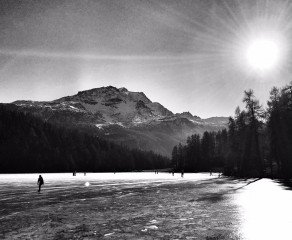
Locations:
(28, 144)
(258, 141)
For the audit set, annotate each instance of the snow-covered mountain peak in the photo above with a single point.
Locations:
(108, 94)
(107, 105)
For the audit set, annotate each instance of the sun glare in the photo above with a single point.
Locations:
(263, 54)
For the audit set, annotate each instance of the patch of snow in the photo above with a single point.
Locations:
(153, 221)
(100, 125)
(137, 120)
(194, 121)
(73, 107)
(151, 227)
(108, 234)
(120, 124)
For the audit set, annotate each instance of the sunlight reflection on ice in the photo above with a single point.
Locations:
(265, 211)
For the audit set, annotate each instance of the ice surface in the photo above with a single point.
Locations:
(143, 206)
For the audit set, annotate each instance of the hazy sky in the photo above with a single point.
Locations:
(185, 54)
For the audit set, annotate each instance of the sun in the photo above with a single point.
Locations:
(263, 54)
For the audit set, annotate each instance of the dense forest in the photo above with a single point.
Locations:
(27, 144)
(258, 141)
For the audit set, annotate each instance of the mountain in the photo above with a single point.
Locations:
(122, 116)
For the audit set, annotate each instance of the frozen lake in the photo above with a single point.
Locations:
(143, 206)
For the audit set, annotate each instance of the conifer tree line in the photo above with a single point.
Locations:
(28, 144)
(257, 143)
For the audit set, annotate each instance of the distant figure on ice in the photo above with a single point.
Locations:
(172, 173)
(182, 173)
(40, 182)
(85, 174)
(74, 173)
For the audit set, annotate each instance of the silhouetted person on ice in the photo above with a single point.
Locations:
(182, 173)
(40, 182)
